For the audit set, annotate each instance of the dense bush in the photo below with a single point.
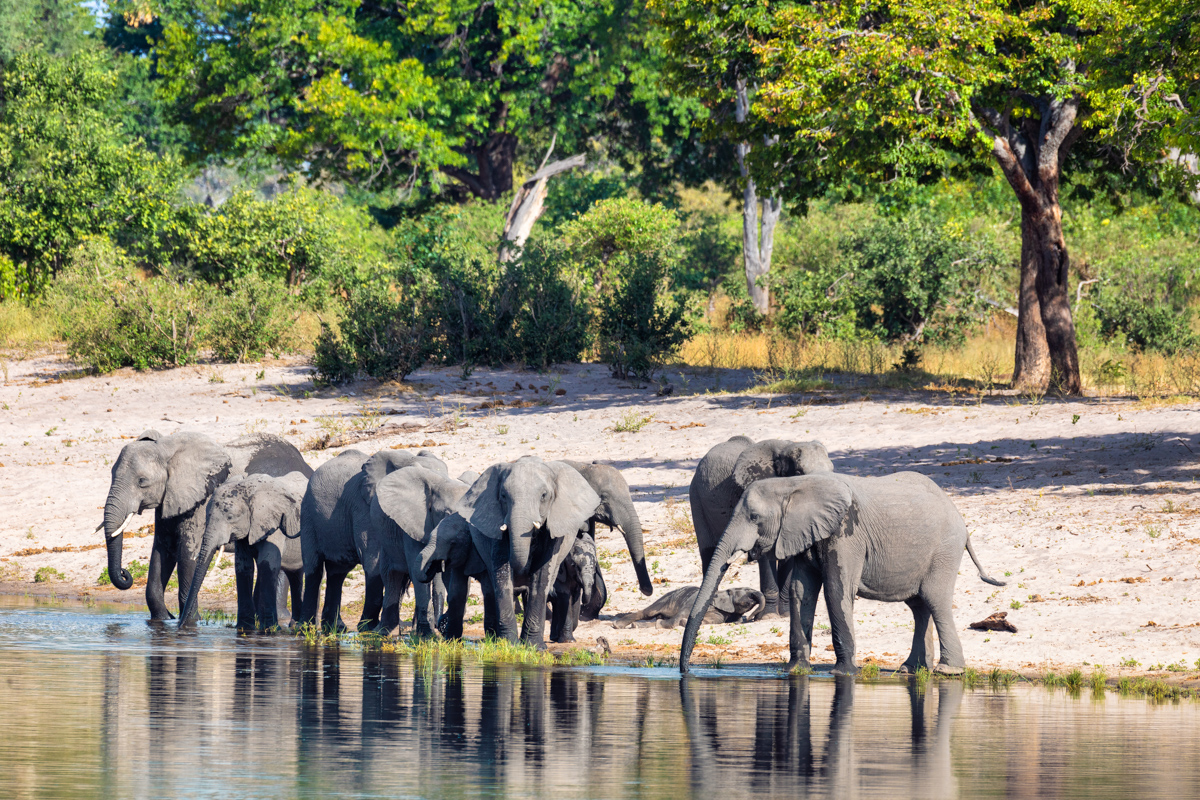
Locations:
(1145, 299)
(641, 323)
(383, 335)
(552, 323)
(254, 318)
(897, 279)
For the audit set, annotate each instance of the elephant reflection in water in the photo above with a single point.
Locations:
(789, 755)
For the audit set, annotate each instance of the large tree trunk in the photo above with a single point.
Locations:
(527, 204)
(757, 246)
(1031, 158)
(494, 165)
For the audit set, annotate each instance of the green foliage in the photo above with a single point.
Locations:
(68, 171)
(383, 335)
(255, 317)
(57, 27)
(552, 323)
(47, 574)
(137, 570)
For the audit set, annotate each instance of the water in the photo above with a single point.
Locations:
(97, 703)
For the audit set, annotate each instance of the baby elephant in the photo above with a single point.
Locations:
(573, 588)
(729, 605)
(261, 515)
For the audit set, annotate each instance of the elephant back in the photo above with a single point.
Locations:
(266, 454)
(325, 513)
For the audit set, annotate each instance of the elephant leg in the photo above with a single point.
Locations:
(573, 612)
(281, 596)
(185, 570)
(395, 584)
(437, 588)
(783, 575)
(269, 582)
(839, 601)
(312, 594)
(243, 572)
(502, 587)
(950, 660)
(456, 606)
(331, 613)
(295, 580)
(373, 603)
(533, 627)
(802, 606)
(162, 564)
(560, 611)
(423, 624)
(768, 584)
(491, 612)
(922, 643)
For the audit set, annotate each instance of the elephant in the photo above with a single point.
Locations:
(175, 475)
(335, 528)
(406, 506)
(616, 511)
(531, 511)
(896, 538)
(723, 475)
(573, 588)
(261, 515)
(452, 551)
(729, 605)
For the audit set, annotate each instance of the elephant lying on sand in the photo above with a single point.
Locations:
(175, 475)
(261, 515)
(729, 605)
(896, 538)
(720, 480)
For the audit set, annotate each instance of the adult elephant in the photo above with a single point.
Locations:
(722, 477)
(336, 534)
(175, 475)
(896, 538)
(616, 511)
(261, 515)
(406, 506)
(531, 511)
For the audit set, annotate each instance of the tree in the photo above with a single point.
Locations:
(909, 88)
(58, 27)
(711, 56)
(68, 171)
(383, 94)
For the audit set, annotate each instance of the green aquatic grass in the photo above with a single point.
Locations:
(427, 651)
(869, 672)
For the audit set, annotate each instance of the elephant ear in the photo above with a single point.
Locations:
(272, 508)
(150, 435)
(382, 464)
(754, 464)
(814, 510)
(480, 506)
(404, 497)
(196, 468)
(723, 602)
(429, 460)
(574, 501)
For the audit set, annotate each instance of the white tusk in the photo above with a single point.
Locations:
(121, 528)
(503, 528)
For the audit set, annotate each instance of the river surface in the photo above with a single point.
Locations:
(98, 703)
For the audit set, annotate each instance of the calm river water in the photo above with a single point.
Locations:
(101, 704)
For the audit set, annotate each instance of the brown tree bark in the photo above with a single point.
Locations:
(1030, 155)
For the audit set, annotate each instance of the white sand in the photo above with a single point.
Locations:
(1096, 523)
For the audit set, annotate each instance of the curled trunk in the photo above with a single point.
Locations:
(116, 516)
(704, 599)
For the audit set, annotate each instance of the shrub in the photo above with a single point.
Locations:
(383, 335)
(641, 324)
(255, 317)
(1146, 300)
(552, 322)
(110, 319)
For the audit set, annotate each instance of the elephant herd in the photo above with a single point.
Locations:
(528, 528)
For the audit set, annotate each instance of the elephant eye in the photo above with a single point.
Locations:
(143, 482)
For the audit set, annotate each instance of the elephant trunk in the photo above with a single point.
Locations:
(208, 549)
(521, 528)
(587, 582)
(704, 598)
(429, 564)
(117, 512)
(631, 527)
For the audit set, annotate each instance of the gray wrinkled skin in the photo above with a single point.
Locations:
(574, 587)
(672, 609)
(895, 538)
(722, 477)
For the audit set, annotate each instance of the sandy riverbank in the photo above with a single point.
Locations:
(1090, 506)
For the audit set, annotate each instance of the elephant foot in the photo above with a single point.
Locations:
(771, 615)
(845, 668)
(909, 668)
(539, 645)
(566, 638)
(798, 666)
(947, 669)
(365, 625)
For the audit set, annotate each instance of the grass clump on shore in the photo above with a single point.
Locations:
(428, 650)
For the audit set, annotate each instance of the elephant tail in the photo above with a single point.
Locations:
(982, 575)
